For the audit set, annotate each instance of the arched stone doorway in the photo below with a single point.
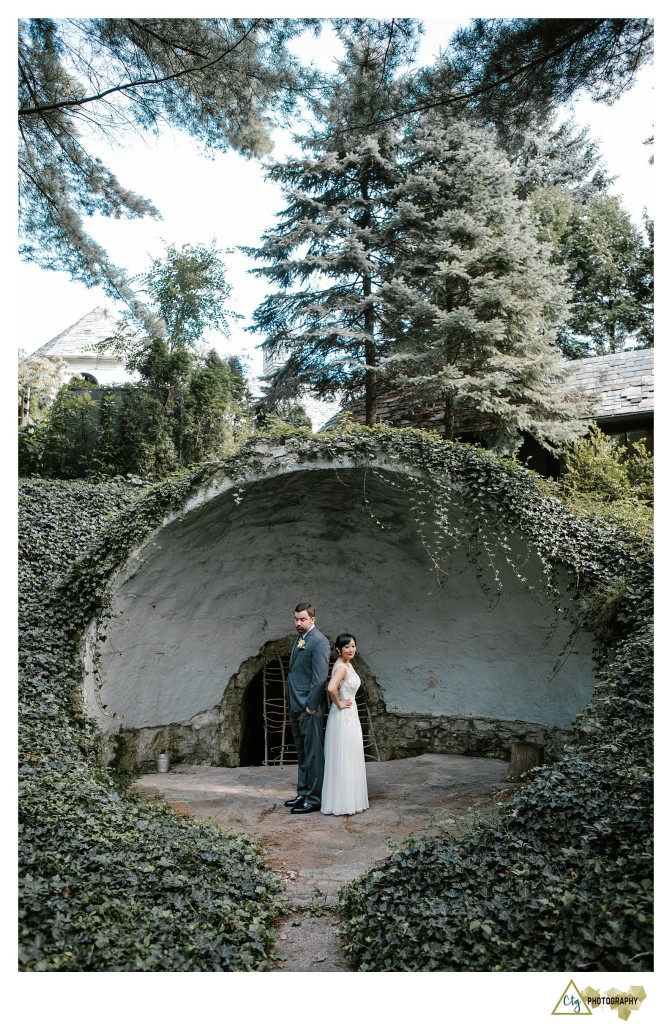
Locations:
(265, 730)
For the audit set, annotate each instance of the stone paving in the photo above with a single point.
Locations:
(315, 854)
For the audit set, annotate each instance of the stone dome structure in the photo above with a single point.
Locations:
(191, 656)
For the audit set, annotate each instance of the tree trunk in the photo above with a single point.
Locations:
(524, 756)
(371, 373)
(449, 420)
(371, 386)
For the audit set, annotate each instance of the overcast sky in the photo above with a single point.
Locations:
(227, 199)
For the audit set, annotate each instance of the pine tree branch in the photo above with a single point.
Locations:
(28, 111)
(519, 73)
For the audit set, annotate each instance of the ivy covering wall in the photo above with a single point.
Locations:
(109, 882)
(562, 880)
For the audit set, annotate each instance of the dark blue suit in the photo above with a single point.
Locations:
(306, 686)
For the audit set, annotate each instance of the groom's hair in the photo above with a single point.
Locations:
(305, 607)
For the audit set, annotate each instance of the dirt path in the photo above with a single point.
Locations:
(315, 854)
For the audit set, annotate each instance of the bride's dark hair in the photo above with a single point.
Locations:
(342, 640)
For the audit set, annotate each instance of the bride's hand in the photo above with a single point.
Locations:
(346, 703)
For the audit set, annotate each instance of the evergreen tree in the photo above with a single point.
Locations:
(329, 251)
(217, 79)
(515, 72)
(644, 285)
(214, 414)
(609, 268)
(564, 155)
(475, 296)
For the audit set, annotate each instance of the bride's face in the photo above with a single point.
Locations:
(349, 651)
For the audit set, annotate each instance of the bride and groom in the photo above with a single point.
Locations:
(331, 772)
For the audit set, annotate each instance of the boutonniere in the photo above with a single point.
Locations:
(301, 644)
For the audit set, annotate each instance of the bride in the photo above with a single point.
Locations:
(344, 788)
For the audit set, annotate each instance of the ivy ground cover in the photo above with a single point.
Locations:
(564, 879)
(109, 882)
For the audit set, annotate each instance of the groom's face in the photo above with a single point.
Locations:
(303, 621)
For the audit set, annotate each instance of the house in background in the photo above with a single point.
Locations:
(617, 387)
(318, 410)
(620, 390)
(76, 347)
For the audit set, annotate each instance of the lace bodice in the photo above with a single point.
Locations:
(350, 684)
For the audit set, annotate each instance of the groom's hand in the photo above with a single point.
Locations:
(309, 711)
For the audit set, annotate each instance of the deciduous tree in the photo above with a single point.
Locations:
(39, 380)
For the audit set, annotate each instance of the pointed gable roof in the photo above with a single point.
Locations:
(78, 340)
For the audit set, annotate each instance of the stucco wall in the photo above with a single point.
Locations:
(219, 583)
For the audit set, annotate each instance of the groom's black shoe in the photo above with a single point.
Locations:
(304, 808)
(295, 802)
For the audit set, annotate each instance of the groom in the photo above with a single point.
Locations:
(306, 684)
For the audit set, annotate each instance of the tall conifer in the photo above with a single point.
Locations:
(330, 249)
(475, 295)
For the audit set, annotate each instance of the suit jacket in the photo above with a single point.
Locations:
(308, 672)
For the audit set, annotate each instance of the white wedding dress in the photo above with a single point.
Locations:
(344, 787)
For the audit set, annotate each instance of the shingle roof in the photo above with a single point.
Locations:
(77, 340)
(615, 385)
(618, 385)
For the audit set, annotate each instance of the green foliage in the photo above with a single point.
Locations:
(552, 885)
(188, 408)
(599, 470)
(40, 378)
(517, 71)
(560, 157)
(187, 289)
(608, 265)
(216, 79)
(328, 253)
(565, 876)
(110, 882)
(135, 435)
(63, 443)
(473, 299)
(562, 878)
(271, 415)
(214, 417)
